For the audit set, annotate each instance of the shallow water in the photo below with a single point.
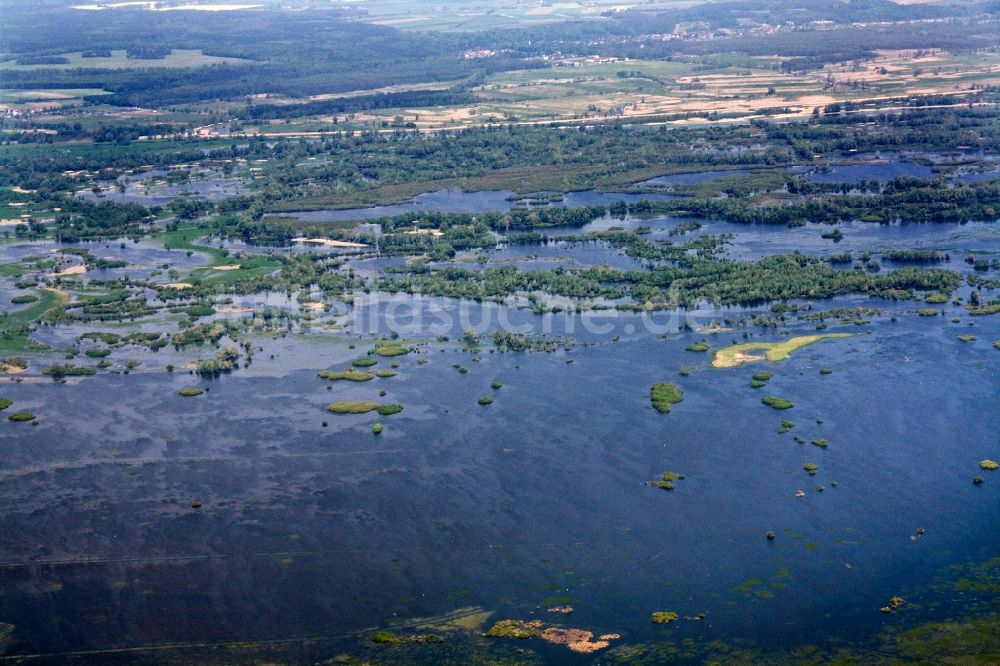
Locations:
(140, 188)
(454, 200)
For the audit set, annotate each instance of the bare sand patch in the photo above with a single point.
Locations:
(736, 359)
(230, 267)
(72, 270)
(314, 307)
(179, 285)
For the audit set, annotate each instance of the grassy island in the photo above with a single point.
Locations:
(736, 355)
(349, 375)
(667, 482)
(664, 617)
(21, 416)
(387, 348)
(776, 402)
(346, 407)
(352, 407)
(663, 395)
(191, 391)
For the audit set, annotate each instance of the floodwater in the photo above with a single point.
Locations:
(693, 178)
(312, 531)
(455, 200)
(151, 188)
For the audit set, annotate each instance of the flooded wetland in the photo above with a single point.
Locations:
(248, 513)
(621, 335)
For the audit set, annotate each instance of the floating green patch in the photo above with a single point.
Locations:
(762, 376)
(667, 481)
(58, 371)
(515, 629)
(390, 349)
(697, 347)
(386, 637)
(191, 391)
(363, 362)
(811, 468)
(352, 407)
(486, 400)
(967, 338)
(24, 298)
(663, 395)
(377, 428)
(348, 375)
(663, 617)
(776, 402)
(988, 465)
(5, 403)
(928, 312)
(21, 416)
(820, 442)
(385, 374)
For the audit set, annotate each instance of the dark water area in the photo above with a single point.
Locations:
(310, 530)
(753, 242)
(455, 200)
(309, 534)
(879, 169)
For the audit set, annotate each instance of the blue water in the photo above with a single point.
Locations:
(455, 200)
(309, 532)
(693, 178)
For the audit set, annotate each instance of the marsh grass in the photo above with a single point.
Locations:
(663, 395)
